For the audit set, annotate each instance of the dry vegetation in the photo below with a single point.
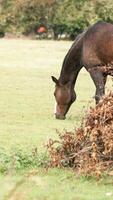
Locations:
(89, 150)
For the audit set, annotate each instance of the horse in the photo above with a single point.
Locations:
(93, 50)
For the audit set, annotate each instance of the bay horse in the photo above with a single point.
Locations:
(93, 50)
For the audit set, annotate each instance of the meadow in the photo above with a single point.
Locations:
(27, 122)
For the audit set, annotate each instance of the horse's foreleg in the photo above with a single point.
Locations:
(104, 78)
(99, 80)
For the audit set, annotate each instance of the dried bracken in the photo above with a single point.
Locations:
(106, 69)
(89, 150)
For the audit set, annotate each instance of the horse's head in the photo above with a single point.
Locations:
(65, 96)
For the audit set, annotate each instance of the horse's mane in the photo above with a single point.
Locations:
(77, 39)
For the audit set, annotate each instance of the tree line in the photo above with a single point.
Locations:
(58, 16)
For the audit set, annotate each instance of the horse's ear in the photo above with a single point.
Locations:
(55, 80)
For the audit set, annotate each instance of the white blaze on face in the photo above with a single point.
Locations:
(55, 108)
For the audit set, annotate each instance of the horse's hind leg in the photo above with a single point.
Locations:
(99, 80)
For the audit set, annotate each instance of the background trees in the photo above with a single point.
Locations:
(59, 16)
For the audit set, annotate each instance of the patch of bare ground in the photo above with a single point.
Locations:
(18, 192)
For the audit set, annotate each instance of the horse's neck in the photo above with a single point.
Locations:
(71, 65)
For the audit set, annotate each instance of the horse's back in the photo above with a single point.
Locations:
(98, 44)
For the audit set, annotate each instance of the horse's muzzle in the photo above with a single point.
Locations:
(61, 117)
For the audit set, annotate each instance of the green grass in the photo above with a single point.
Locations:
(26, 90)
(56, 184)
(27, 121)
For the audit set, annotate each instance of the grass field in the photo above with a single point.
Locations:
(27, 122)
